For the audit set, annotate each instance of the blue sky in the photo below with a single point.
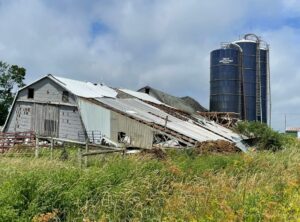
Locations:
(165, 44)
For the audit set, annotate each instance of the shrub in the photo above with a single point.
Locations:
(265, 138)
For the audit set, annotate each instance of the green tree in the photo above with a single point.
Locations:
(11, 78)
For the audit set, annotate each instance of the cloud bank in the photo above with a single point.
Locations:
(165, 44)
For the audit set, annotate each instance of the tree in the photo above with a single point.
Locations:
(265, 137)
(11, 79)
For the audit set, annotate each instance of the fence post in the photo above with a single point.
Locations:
(93, 137)
(37, 147)
(51, 148)
(86, 150)
(79, 156)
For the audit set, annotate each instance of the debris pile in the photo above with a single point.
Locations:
(155, 153)
(218, 146)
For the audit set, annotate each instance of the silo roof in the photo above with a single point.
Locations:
(244, 40)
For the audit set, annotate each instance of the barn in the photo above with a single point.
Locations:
(75, 110)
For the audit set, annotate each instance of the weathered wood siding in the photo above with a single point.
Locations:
(21, 118)
(45, 119)
(70, 124)
(46, 91)
(64, 121)
(140, 134)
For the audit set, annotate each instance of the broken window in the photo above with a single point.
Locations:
(30, 94)
(121, 136)
(65, 96)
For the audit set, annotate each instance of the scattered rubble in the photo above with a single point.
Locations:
(218, 146)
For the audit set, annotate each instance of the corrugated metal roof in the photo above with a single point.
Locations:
(92, 115)
(213, 126)
(142, 96)
(85, 89)
(187, 104)
(146, 112)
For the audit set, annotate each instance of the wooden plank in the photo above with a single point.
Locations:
(100, 152)
(106, 147)
(62, 140)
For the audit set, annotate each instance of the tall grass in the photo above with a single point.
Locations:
(262, 186)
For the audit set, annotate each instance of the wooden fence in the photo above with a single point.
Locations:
(84, 148)
(9, 140)
(30, 139)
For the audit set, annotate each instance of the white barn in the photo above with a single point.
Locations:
(59, 107)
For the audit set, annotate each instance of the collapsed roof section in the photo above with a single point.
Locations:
(188, 131)
(186, 104)
(141, 96)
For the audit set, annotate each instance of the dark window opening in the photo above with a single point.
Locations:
(30, 93)
(147, 90)
(65, 96)
(121, 136)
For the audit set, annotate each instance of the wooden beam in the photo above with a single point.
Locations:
(100, 152)
(106, 147)
(61, 140)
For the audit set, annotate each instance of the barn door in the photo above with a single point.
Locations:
(46, 120)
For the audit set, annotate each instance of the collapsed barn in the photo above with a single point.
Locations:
(57, 107)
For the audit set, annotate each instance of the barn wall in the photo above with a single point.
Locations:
(21, 118)
(62, 121)
(46, 90)
(140, 134)
(70, 125)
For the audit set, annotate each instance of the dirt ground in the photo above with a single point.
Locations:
(218, 146)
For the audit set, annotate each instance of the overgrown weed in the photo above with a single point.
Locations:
(258, 186)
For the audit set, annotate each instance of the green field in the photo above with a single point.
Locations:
(259, 186)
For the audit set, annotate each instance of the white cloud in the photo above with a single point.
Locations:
(165, 44)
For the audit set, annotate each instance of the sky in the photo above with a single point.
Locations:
(165, 44)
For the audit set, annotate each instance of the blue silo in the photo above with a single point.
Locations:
(240, 79)
(249, 48)
(225, 80)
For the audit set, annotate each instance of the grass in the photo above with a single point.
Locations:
(261, 186)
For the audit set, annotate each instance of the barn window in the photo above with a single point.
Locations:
(65, 96)
(30, 93)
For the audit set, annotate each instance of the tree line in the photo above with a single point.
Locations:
(11, 79)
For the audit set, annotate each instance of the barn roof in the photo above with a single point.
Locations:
(142, 96)
(84, 89)
(80, 88)
(186, 103)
